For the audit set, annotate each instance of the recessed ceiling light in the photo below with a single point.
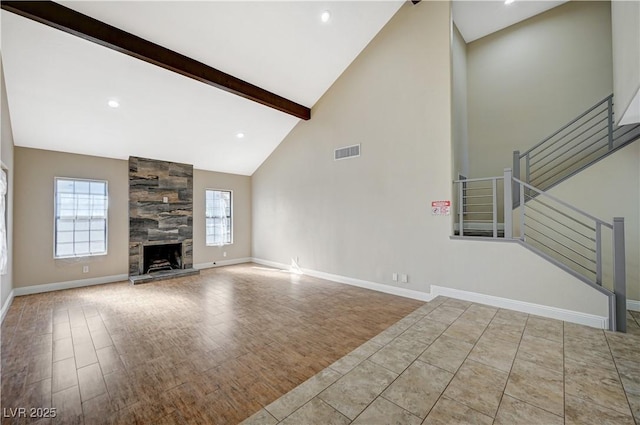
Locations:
(326, 15)
(113, 103)
(240, 135)
(507, 2)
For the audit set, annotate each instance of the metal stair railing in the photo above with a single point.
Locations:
(583, 245)
(477, 207)
(586, 139)
(577, 243)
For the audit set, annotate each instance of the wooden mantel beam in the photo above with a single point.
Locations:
(87, 28)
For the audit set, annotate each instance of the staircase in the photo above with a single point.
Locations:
(517, 207)
(577, 145)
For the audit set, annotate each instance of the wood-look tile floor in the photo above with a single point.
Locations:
(455, 362)
(207, 349)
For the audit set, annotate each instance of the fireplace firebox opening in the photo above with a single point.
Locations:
(162, 257)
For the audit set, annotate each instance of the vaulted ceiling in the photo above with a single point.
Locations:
(59, 85)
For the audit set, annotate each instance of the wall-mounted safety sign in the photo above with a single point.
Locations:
(440, 207)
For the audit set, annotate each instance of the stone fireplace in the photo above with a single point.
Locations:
(160, 220)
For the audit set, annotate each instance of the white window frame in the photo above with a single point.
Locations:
(231, 196)
(55, 218)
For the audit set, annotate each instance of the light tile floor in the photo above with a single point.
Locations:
(456, 362)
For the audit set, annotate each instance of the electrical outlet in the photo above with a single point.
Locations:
(224, 254)
(394, 277)
(85, 269)
(404, 278)
(165, 199)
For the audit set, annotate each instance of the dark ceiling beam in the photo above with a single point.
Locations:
(87, 28)
(415, 1)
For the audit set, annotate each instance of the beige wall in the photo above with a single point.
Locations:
(509, 270)
(459, 132)
(35, 171)
(600, 190)
(527, 80)
(6, 156)
(203, 255)
(625, 19)
(369, 217)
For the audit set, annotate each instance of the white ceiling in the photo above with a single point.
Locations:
(478, 18)
(58, 85)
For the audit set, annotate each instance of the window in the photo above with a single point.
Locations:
(218, 216)
(81, 217)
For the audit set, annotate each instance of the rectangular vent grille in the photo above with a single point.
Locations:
(346, 152)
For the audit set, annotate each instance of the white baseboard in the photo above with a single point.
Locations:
(6, 305)
(388, 289)
(592, 320)
(222, 263)
(269, 263)
(57, 286)
(633, 305)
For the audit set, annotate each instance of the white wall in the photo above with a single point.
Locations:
(6, 156)
(528, 80)
(369, 217)
(625, 18)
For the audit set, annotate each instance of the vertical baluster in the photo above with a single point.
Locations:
(613, 311)
(599, 253)
(461, 208)
(495, 206)
(527, 172)
(522, 205)
(619, 274)
(508, 203)
(516, 174)
(610, 121)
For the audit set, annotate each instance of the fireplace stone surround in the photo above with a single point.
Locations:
(160, 212)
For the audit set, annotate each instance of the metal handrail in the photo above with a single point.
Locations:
(561, 254)
(533, 155)
(581, 142)
(566, 247)
(606, 99)
(465, 204)
(564, 204)
(479, 180)
(575, 220)
(567, 251)
(560, 232)
(573, 155)
(564, 236)
(571, 140)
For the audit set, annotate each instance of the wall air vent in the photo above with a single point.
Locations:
(346, 152)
